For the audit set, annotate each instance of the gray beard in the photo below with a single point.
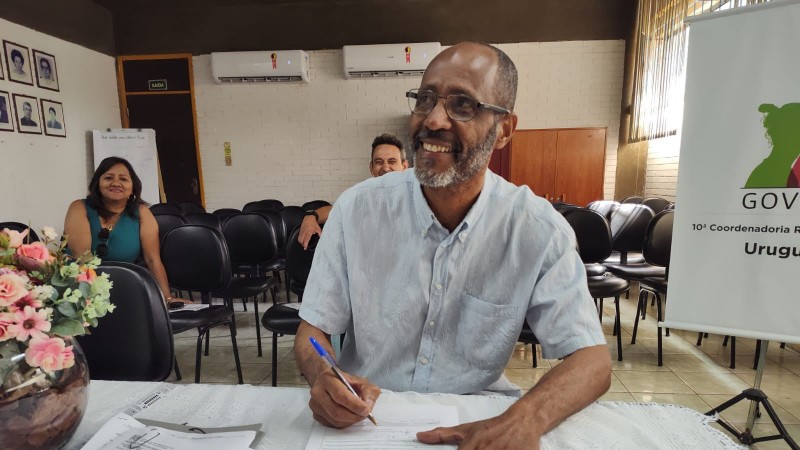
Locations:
(467, 164)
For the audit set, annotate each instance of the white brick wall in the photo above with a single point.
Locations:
(298, 142)
(661, 178)
(42, 175)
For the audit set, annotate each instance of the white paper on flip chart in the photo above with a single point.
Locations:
(397, 429)
(125, 432)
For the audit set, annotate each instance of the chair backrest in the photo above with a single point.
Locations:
(196, 258)
(657, 204)
(206, 219)
(658, 240)
(166, 208)
(298, 260)
(670, 207)
(562, 207)
(263, 205)
(635, 199)
(604, 207)
(134, 343)
(314, 204)
(191, 208)
(292, 217)
(223, 214)
(592, 233)
(250, 238)
(20, 227)
(276, 220)
(628, 227)
(167, 222)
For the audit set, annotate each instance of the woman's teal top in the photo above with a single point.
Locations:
(123, 242)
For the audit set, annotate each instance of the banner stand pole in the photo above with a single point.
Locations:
(758, 398)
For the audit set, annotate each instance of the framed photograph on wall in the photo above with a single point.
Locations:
(27, 111)
(53, 118)
(6, 121)
(46, 73)
(2, 77)
(18, 61)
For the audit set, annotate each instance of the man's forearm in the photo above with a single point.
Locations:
(308, 360)
(567, 388)
(322, 214)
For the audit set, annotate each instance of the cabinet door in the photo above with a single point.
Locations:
(533, 159)
(580, 165)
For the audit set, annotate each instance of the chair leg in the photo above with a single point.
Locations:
(725, 341)
(783, 344)
(258, 322)
(274, 359)
(733, 352)
(618, 326)
(639, 306)
(197, 359)
(535, 359)
(660, 352)
(644, 305)
(699, 339)
(232, 326)
(600, 311)
(758, 354)
(178, 376)
(208, 340)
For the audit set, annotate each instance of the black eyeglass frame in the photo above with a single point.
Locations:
(478, 104)
(102, 247)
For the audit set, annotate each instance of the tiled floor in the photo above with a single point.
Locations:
(696, 377)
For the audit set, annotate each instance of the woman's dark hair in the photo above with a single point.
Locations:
(95, 198)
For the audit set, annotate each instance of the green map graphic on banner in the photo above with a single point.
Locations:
(781, 169)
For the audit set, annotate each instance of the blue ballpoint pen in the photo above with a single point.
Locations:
(332, 364)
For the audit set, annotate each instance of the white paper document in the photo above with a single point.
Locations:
(397, 429)
(190, 307)
(125, 432)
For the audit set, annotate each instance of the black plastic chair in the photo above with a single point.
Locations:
(526, 336)
(657, 204)
(167, 222)
(134, 343)
(191, 208)
(166, 208)
(292, 217)
(263, 205)
(196, 259)
(604, 207)
(251, 242)
(314, 204)
(223, 214)
(635, 199)
(20, 227)
(281, 319)
(628, 227)
(594, 245)
(278, 263)
(206, 219)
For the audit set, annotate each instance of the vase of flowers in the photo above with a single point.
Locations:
(46, 298)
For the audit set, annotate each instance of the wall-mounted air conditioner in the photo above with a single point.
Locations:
(388, 60)
(260, 67)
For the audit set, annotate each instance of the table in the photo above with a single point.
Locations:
(287, 422)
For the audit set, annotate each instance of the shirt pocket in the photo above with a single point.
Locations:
(486, 332)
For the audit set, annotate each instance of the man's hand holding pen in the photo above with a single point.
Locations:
(332, 403)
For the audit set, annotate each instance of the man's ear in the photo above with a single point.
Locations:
(505, 129)
(405, 164)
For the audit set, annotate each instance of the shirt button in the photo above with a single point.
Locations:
(462, 235)
(438, 286)
(431, 323)
(423, 361)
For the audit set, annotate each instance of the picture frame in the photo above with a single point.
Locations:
(26, 109)
(46, 71)
(18, 61)
(2, 76)
(53, 118)
(6, 117)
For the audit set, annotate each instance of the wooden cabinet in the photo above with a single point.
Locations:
(565, 165)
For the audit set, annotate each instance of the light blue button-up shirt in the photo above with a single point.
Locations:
(428, 310)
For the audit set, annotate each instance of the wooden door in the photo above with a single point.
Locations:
(533, 160)
(580, 165)
(156, 91)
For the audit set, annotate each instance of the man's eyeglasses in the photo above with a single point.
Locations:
(459, 107)
(102, 247)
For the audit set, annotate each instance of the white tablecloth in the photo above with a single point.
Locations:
(286, 419)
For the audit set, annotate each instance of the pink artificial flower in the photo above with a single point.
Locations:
(15, 237)
(49, 353)
(12, 288)
(33, 256)
(28, 300)
(5, 325)
(30, 323)
(87, 276)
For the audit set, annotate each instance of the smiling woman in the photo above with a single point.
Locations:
(114, 223)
